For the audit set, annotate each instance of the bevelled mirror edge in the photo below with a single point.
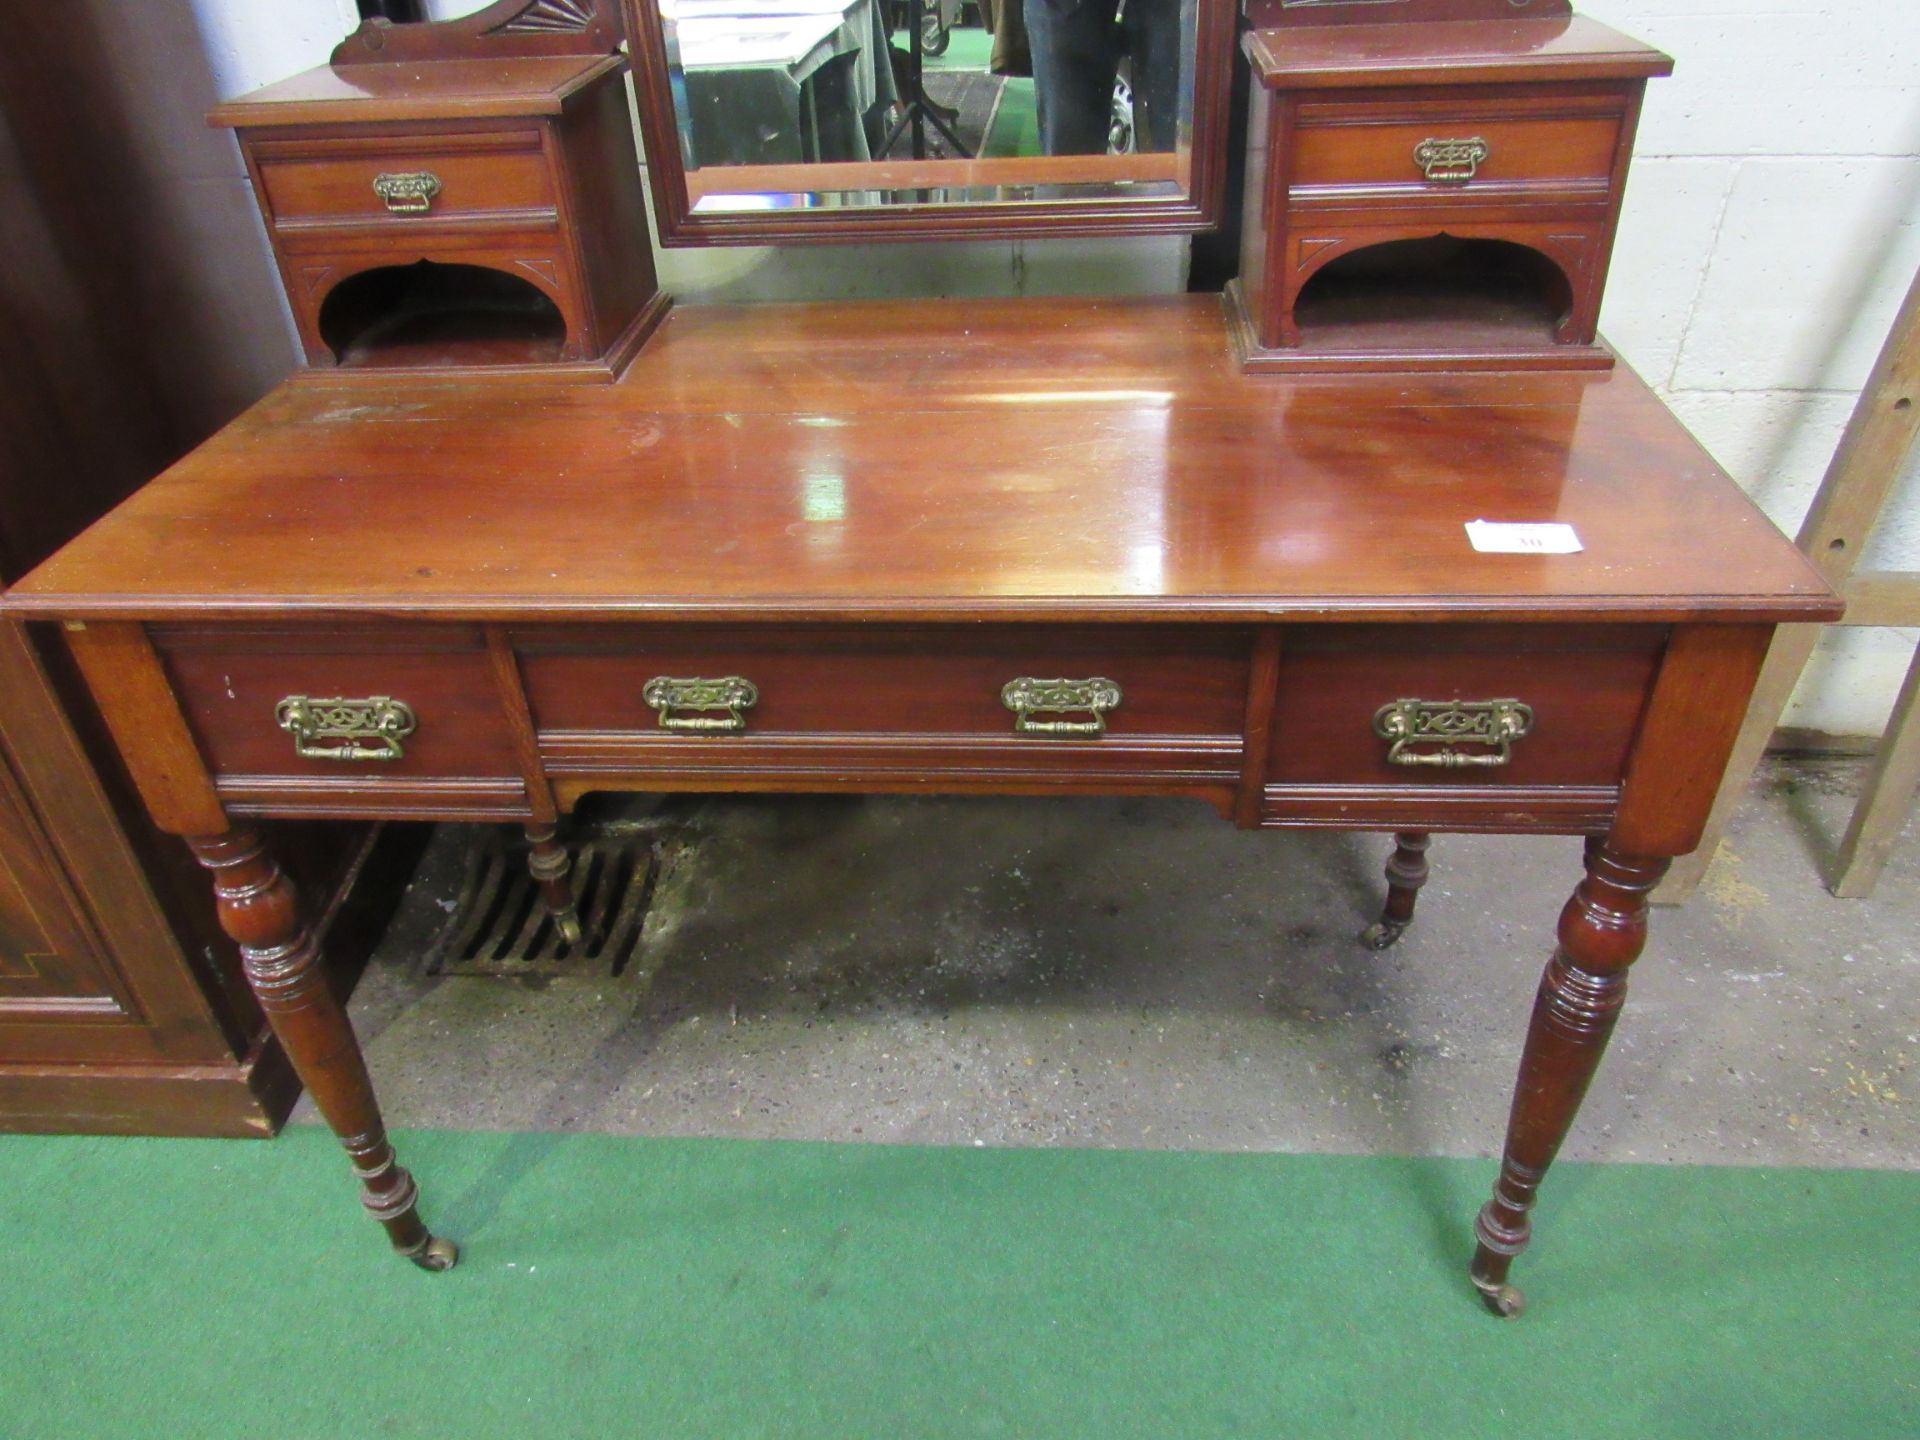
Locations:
(1196, 205)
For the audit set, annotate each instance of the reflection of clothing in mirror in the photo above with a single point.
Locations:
(1006, 21)
(1077, 46)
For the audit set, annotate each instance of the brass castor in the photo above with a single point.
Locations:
(569, 927)
(1383, 934)
(1506, 1301)
(437, 1254)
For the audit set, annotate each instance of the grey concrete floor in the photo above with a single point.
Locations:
(1138, 973)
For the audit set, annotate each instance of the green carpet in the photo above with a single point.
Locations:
(616, 1288)
(1016, 124)
(1016, 127)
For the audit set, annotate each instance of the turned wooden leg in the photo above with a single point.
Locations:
(549, 864)
(259, 909)
(1602, 931)
(1406, 873)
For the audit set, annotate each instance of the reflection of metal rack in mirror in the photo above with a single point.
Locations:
(917, 112)
(798, 138)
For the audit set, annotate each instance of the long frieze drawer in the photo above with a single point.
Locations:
(375, 180)
(1420, 707)
(1447, 146)
(1029, 693)
(394, 705)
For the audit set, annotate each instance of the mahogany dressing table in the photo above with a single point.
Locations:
(1030, 547)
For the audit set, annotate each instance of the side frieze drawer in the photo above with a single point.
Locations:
(412, 702)
(1415, 706)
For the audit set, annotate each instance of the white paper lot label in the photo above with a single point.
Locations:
(1494, 537)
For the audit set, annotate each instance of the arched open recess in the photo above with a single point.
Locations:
(1469, 291)
(433, 314)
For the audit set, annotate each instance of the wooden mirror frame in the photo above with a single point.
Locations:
(1199, 208)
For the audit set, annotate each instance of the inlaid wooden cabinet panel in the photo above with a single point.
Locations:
(78, 919)
(45, 953)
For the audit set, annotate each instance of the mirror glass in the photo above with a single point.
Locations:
(768, 119)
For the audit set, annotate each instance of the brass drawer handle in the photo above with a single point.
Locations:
(732, 694)
(1027, 697)
(334, 728)
(1451, 162)
(410, 192)
(1494, 724)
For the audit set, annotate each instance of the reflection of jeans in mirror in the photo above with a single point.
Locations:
(1077, 45)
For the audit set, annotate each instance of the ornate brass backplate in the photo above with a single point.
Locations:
(1451, 162)
(731, 693)
(335, 728)
(1028, 696)
(1492, 724)
(411, 192)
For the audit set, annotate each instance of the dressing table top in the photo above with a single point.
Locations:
(1455, 52)
(1009, 459)
(365, 94)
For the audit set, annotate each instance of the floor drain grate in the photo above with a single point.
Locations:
(499, 927)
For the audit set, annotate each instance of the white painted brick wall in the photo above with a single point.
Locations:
(251, 43)
(1771, 228)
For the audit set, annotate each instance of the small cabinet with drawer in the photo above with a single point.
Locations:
(1432, 186)
(455, 216)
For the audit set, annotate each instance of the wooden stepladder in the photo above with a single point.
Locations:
(1868, 462)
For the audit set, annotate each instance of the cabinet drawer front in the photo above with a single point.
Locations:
(309, 182)
(1579, 693)
(911, 692)
(235, 688)
(1345, 150)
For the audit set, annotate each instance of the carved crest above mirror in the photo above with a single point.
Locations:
(504, 30)
(789, 121)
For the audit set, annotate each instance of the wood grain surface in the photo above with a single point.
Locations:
(1052, 459)
(1457, 52)
(415, 90)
